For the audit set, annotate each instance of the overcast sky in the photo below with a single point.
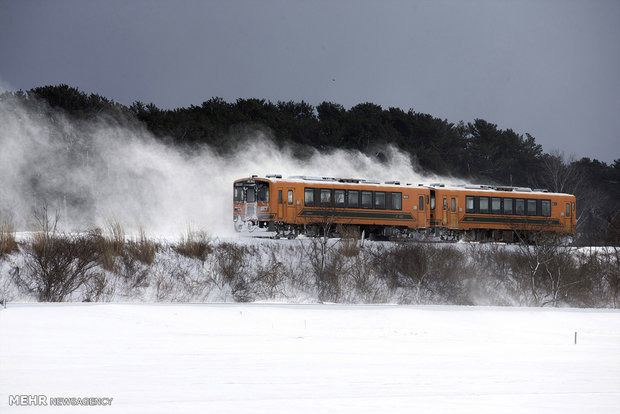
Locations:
(549, 68)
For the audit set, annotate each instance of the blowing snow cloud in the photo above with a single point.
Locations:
(96, 172)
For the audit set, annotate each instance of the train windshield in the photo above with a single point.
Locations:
(262, 192)
(239, 192)
(251, 192)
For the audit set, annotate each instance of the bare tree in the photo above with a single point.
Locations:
(610, 273)
(551, 269)
(559, 174)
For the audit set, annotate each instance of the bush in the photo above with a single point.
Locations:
(232, 265)
(57, 265)
(269, 282)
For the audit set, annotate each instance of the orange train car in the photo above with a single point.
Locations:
(305, 204)
(310, 205)
(483, 212)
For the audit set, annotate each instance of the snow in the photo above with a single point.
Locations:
(272, 358)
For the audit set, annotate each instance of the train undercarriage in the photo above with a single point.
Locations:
(280, 230)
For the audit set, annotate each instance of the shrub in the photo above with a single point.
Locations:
(56, 266)
(232, 265)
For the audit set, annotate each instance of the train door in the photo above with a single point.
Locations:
(290, 205)
(567, 218)
(280, 213)
(445, 211)
(453, 213)
(422, 212)
(433, 214)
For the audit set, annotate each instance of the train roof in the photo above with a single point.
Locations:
(322, 180)
(494, 188)
(339, 180)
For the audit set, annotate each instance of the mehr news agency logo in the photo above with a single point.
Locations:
(29, 400)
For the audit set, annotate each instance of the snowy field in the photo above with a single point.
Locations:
(232, 358)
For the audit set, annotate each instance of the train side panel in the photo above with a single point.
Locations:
(364, 205)
(469, 210)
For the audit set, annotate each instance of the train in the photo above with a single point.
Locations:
(312, 205)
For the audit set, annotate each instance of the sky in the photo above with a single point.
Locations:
(550, 68)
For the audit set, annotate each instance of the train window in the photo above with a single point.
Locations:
(519, 206)
(262, 190)
(546, 208)
(432, 200)
(445, 204)
(421, 203)
(484, 204)
(238, 192)
(397, 201)
(380, 200)
(326, 196)
(469, 204)
(496, 205)
(567, 210)
(573, 206)
(366, 199)
(290, 196)
(508, 209)
(250, 195)
(339, 198)
(279, 196)
(353, 199)
(531, 207)
(309, 196)
(427, 199)
(453, 204)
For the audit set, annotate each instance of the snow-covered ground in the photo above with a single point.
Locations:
(232, 358)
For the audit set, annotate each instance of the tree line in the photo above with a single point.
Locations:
(476, 150)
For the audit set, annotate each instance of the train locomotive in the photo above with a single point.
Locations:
(316, 205)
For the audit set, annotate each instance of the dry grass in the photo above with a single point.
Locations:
(142, 249)
(116, 238)
(349, 240)
(116, 252)
(8, 244)
(110, 245)
(195, 245)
